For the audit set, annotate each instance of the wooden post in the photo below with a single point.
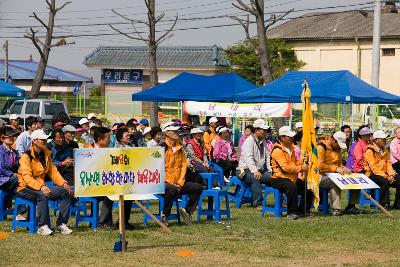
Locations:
(377, 204)
(122, 222)
(165, 228)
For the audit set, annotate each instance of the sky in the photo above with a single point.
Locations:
(88, 14)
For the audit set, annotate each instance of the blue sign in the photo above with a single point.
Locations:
(122, 76)
(77, 88)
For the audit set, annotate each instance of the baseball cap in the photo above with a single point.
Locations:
(340, 138)
(260, 123)
(83, 121)
(365, 131)
(213, 120)
(68, 128)
(146, 130)
(196, 130)
(10, 132)
(170, 126)
(58, 123)
(144, 121)
(379, 135)
(39, 134)
(286, 131)
(13, 117)
(298, 125)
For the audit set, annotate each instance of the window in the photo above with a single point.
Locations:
(53, 108)
(32, 108)
(16, 108)
(388, 52)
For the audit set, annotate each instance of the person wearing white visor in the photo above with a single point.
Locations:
(255, 161)
(285, 170)
(197, 155)
(224, 153)
(35, 164)
(330, 161)
(379, 169)
(175, 176)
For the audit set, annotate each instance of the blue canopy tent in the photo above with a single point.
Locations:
(7, 89)
(195, 87)
(326, 87)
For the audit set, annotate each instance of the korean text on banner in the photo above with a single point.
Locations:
(352, 181)
(260, 110)
(119, 171)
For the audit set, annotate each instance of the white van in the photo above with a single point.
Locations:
(45, 108)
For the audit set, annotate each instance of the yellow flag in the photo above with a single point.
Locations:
(309, 145)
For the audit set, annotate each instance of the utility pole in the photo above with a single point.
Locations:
(5, 47)
(376, 56)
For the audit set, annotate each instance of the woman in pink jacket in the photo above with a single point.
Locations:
(225, 154)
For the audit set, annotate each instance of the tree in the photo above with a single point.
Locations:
(44, 48)
(152, 42)
(244, 60)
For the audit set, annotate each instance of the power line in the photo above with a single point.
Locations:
(187, 19)
(174, 30)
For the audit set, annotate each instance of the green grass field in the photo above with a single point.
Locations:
(370, 239)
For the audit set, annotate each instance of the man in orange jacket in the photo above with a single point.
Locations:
(175, 172)
(33, 167)
(330, 161)
(285, 170)
(378, 168)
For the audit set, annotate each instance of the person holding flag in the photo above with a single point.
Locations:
(285, 170)
(309, 146)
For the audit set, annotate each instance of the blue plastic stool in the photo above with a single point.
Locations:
(210, 177)
(365, 201)
(183, 201)
(30, 222)
(91, 218)
(218, 169)
(242, 193)
(277, 209)
(323, 200)
(214, 196)
(160, 198)
(3, 209)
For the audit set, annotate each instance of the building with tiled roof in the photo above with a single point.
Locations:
(343, 41)
(125, 70)
(55, 80)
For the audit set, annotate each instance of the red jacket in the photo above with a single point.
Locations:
(198, 150)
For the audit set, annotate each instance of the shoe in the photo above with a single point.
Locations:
(227, 179)
(310, 214)
(292, 216)
(44, 230)
(106, 226)
(386, 206)
(185, 216)
(216, 188)
(353, 210)
(20, 217)
(129, 226)
(335, 212)
(64, 229)
(164, 219)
